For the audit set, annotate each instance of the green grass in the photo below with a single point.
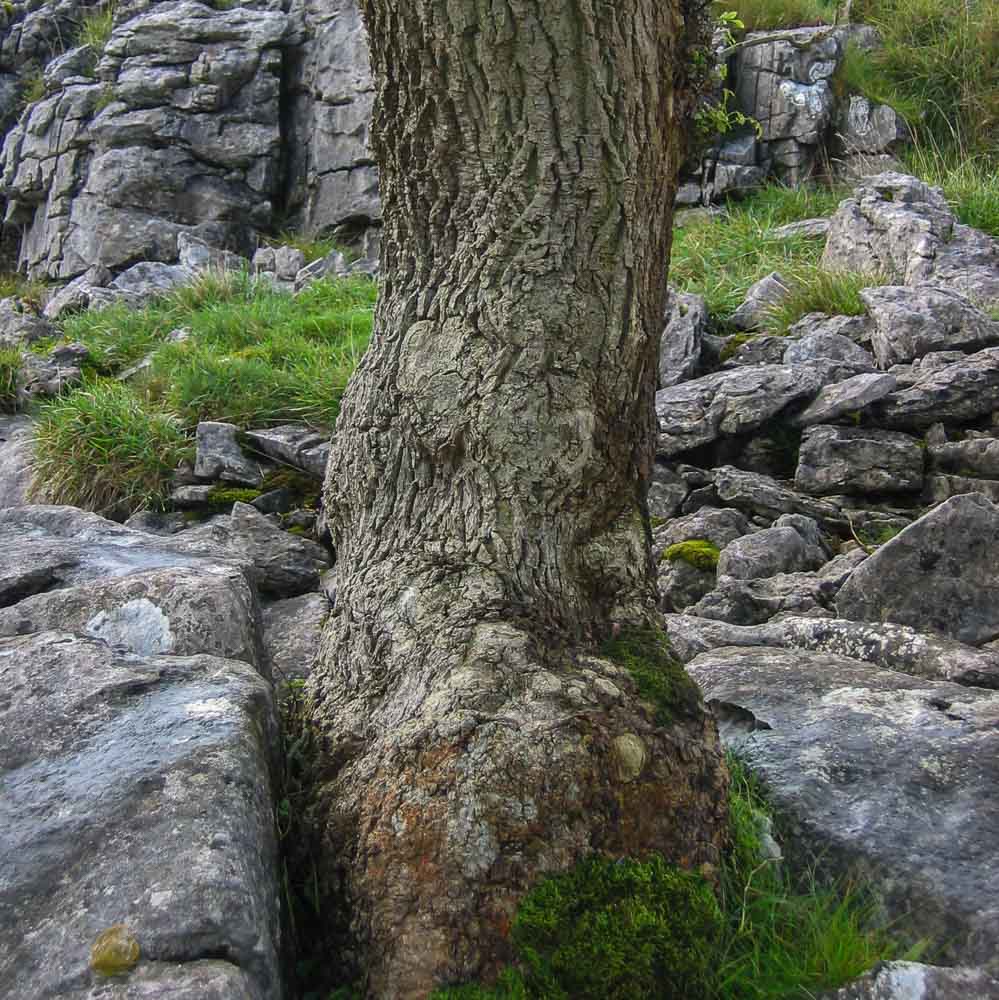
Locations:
(834, 292)
(721, 257)
(96, 26)
(970, 182)
(14, 285)
(938, 67)
(254, 357)
(788, 937)
(759, 15)
(32, 89)
(10, 367)
(104, 449)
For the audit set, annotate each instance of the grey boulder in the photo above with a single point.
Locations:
(938, 575)
(876, 771)
(914, 981)
(881, 646)
(762, 296)
(137, 791)
(728, 403)
(219, 455)
(680, 346)
(835, 460)
(850, 397)
(911, 322)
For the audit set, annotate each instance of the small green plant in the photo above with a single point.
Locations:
(788, 935)
(10, 368)
(696, 552)
(32, 89)
(834, 292)
(657, 673)
(32, 293)
(106, 98)
(96, 26)
(103, 449)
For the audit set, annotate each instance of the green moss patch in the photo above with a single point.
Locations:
(226, 496)
(658, 675)
(698, 552)
(611, 930)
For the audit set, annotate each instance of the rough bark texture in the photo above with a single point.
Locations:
(487, 486)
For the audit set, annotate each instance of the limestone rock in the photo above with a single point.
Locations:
(19, 326)
(839, 357)
(813, 229)
(769, 552)
(680, 347)
(962, 391)
(938, 575)
(292, 629)
(851, 396)
(180, 611)
(858, 460)
(760, 297)
(899, 226)
(718, 526)
(874, 769)
(727, 403)
(971, 457)
(881, 646)
(137, 791)
(17, 452)
(219, 455)
(302, 447)
(913, 981)
(864, 127)
(911, 322)
(762, 495)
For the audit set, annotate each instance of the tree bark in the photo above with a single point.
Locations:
(487, 486)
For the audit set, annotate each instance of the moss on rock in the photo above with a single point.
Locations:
(698, 552)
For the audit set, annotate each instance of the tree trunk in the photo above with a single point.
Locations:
(487, 486)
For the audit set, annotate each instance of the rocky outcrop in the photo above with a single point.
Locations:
(193, 120)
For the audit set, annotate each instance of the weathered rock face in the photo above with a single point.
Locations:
(871, 769)
(901, 227)
(858, 460)
(332, 178)
(136, 791)
(938, 575)
(193, 120)
(911, 322)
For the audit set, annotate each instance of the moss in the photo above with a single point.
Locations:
(115, 951)
(223, 496)
(297, 529)
(732, 345)
(698, 552)
(610, 930)
(659, 676)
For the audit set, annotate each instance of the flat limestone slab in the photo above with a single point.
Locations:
(135, 790)
(876, 771)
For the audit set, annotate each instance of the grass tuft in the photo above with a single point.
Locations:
(97, 25)
(761, 15)
(104, 449)
(938, 67)
(10, 368)
(721, 257)
(836, 293)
